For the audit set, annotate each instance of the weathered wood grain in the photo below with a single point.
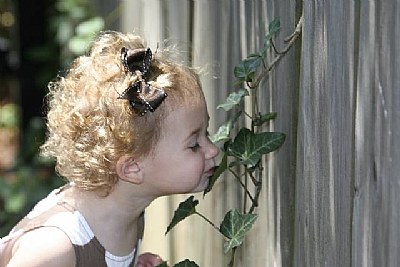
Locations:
(332, 192)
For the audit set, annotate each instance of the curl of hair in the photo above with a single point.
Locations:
(89, 129)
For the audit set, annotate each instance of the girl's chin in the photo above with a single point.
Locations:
(202, 185)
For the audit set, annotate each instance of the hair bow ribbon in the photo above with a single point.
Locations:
(141, 95)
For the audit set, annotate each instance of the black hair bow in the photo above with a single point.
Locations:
(141, 95)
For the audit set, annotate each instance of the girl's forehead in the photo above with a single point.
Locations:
(187, 117)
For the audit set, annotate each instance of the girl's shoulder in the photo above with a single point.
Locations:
(45, 246)
(42, 234)
(51, 229)
(54, 212)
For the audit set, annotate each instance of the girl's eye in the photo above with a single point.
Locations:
(195, 147)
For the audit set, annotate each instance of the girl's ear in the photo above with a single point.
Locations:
(128, 169)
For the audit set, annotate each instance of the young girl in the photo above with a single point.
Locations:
(125, 126)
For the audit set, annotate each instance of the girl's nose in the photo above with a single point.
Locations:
(212, 151)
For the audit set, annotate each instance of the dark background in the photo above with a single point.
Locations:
(35, 47)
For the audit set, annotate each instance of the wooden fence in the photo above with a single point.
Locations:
(332, 193)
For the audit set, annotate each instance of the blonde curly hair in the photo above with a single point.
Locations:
(89, 128)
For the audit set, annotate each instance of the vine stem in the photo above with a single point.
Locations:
(245, 186)
(258, 182)
(274, 47)
(252, 178)
(232, 261)
(209, 222)
(242, 184)
(290, 40)
(255, 203)
(247, 114)
(256, 195)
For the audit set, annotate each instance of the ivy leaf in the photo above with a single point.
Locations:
(235, 226)
(260, 120)
(163, 264)
(223, 132)
(273, 28)
(184, 210)
(246, 69)
(233, 99)
(186, 263)
(249, 147)
(218, 171)
(225, 129)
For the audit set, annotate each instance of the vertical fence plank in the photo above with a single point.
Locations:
(284, 100)
(325, 137)
(364, 169)
(308, 153)
(376, 234)
(389, 72)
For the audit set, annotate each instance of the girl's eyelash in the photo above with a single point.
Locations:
(195, 147)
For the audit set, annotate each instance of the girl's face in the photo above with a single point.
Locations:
(184, 157)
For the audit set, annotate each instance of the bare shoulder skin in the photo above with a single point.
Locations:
(43, 247)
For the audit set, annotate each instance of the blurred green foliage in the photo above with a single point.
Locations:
(31, 179)
(73, 24)
(9, 114)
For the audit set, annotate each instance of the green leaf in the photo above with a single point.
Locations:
(85, 32)
(77, 13)
(249, 147)
(260, 120)
(234, 99)
(90, 27)
(218, 171)
(223, 132)
(16, 202)
(225, 129)
(185, 209)
(5, 188)
(235, 226)
(65, 30)
(64, 6)
(246, 69)
(163, 264)
(186, 263)
(9, 116)
(78, 45)
(273, 28)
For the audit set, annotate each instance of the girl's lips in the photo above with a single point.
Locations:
(210, 172)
